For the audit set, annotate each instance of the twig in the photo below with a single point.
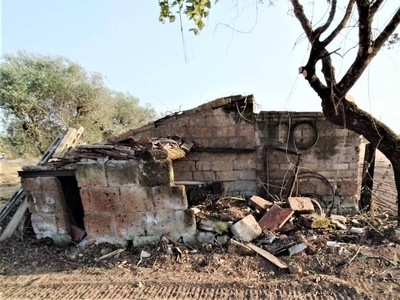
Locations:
(355, 255)
(63, 260)
(114, 253)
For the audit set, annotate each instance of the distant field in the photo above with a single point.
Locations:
(9, 179)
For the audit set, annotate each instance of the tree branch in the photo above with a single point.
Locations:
(341, 25)
(304, 22)
(364, 54)
(321, 30)
(388, 31)
(375, 6)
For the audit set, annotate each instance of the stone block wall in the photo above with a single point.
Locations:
(215, 132)
(47, 204)
(326, 150)
(133, 201)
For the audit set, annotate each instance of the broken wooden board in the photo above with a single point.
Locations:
(268, 256)
(16, 219)
(70, 140)
(275, 218)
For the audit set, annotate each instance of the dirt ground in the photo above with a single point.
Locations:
(336, 265)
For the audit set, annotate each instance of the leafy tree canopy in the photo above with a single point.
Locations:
(42, 96)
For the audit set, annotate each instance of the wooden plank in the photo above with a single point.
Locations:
(16, 219)
(70, 140)
(268, 256)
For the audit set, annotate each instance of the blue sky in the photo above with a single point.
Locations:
(124, 41)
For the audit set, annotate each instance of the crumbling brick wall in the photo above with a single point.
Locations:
(47, 204)
(225, 145)
(133, 201)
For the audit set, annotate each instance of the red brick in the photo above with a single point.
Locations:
(85, 198)
(104, 199)
(99, 224)
(136, 199)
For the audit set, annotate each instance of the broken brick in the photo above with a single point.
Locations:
(301, 204)
(260, 203)
(275, 218)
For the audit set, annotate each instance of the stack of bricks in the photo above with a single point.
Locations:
(133, 201)
(48, 207)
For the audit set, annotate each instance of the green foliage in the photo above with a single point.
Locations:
(42, 96)
(195, 10)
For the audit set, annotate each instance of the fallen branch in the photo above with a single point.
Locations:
(111, 254)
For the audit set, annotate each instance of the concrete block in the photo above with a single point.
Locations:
(159, 222)
(49, 201)
(247, 175)
(184, 166)
(206, 176)
(226, 175)
(91, 174)
(247, 229)
(155, 173)
(260, 203)
(129, 225)
(136, 198)
(185, 221)
(301, 204)
(204, 165)
(165, 197)
(183, 176)
(122, 172)
(50, 225)
(104, 199)
(50, 183)
(31, 184)
(99, 224)
(222, 165)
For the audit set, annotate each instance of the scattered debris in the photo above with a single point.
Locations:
(314, 221)
(239, 248)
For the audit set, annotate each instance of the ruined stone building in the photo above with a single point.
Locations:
(132, 198)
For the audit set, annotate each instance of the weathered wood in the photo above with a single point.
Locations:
(268, 256)
(176, 153)
(14, 222)
(367, 182)
(70, 139)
